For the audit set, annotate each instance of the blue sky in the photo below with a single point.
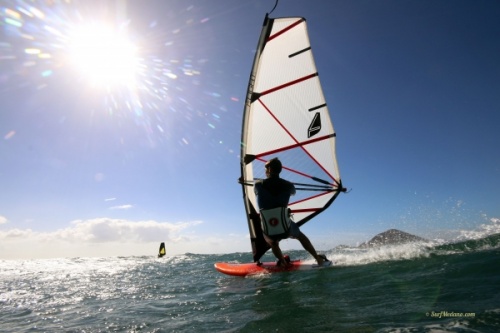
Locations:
(90, 169)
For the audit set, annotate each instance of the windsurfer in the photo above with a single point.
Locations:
(274, 192)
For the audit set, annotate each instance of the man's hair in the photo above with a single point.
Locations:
(274, 165)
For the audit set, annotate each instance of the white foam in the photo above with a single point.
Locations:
(363, 256)
(484, 230)
(355, 256)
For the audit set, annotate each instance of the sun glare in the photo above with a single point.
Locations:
(106, 57)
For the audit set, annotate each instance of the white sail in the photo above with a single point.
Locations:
(286, 116)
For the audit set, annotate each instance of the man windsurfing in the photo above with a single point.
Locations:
(273, 194)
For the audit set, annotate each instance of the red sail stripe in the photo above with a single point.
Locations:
(309, 198)
(285, 30)
(288, 84)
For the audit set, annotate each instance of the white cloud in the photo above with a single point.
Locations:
(106, 229)
(96, 237)
(3, 219)
(121, 207)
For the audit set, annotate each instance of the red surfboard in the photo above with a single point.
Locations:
(253, 268)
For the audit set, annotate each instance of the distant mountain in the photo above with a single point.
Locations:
(391, 237)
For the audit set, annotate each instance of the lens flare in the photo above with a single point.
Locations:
(122, 61)
(104, 56)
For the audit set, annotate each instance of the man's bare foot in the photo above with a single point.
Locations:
(321, 258)
(284, 262)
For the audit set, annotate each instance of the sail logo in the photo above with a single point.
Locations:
(315, 125)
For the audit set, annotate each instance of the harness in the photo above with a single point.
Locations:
(275, 222)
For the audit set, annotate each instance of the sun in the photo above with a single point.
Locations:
(104, 56)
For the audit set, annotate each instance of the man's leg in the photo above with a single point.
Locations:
(275, 247)
(306, 244)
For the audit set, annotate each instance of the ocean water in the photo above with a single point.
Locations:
(420, 287)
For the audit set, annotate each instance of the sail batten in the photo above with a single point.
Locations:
(286, 116)
(317, 107)
(299, 52)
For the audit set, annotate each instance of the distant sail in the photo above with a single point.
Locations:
(161, 252)
(286, 116)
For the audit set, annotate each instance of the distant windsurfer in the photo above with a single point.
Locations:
(161, 251)
(274, 192)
